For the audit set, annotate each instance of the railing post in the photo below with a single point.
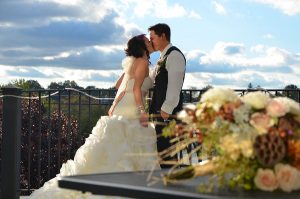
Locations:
(11, 143)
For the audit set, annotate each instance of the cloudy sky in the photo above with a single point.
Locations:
(226, 42)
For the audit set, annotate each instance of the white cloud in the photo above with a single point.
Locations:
(39, 12)
(109, 48)
(194, 15)
(3, 72)
(6, 25)
(288, 7)
(129, 27)
(63, 2)
(229, 64)
(46, 75)
(268, 36)
(224, 53)
(193, 54)
(258, 48)
(241, 79)
(219, 8)
(61, 55)
(233, 54)
(156, 8)
(84, 41)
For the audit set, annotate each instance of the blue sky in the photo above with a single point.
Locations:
(227, 43)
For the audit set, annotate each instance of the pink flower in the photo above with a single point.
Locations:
(275, 108)
(261, 122)
(287, 176)
(265, 179)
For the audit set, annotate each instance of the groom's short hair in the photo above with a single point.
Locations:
(161, 28)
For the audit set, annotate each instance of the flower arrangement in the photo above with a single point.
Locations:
(249, 142)
(162, 62)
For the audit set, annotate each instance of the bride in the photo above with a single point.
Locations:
(121, 141)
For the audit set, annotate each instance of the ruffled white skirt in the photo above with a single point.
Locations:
(116, 144)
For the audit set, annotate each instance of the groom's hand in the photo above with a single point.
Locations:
(164, 115)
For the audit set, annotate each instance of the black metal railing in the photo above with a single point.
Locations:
(56, 122)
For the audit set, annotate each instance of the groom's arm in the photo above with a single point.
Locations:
(176, 69)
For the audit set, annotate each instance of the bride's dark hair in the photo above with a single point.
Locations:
(136, 47)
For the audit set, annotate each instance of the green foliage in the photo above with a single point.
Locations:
(207, 87)
(44, 136)
(169, 130)
(290, 93)
(63, 85)
(250, 85)
(236, 174)
(25, 84)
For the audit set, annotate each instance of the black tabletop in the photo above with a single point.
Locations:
(149, 185)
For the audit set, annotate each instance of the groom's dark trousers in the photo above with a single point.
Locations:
(158, 98)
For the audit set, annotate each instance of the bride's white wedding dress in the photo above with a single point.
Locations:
(118, 143)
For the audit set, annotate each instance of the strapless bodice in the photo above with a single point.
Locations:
(147, 84)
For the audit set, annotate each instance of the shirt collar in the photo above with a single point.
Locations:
(162, 54)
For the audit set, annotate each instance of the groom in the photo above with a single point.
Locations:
(168, 78)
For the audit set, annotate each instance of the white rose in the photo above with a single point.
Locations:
(257, 100)
(276, 108)
(294, 107)
(287, 176)
(183, 116)
(265, 179)
(261, 122)
(219, 96)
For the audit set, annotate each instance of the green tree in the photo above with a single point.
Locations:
(250, 86)
(292, 91)
(25, 84)
(291, 86)
(54, 85)
(207, 87)
(90, 87)
(63, 85)
(71, 84)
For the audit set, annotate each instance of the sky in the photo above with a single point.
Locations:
(227, 43)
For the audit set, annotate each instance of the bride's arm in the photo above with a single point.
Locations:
(118, 83)
(140, 72)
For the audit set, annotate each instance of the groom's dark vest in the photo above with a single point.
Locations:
(161, 85)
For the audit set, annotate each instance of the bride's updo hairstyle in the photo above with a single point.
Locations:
(136, 46)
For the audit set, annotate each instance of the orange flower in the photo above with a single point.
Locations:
(294, 152)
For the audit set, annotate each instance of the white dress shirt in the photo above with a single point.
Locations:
(175, 65)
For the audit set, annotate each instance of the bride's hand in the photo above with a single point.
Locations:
(144, 119)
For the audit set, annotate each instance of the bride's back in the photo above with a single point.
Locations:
(126, 106)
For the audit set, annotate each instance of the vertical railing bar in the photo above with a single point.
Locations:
(59, 131)
(99, 95)
(39, 140)
(89, 109)
(69, 136)
(29, 144)
(49, 135)
(79, 115)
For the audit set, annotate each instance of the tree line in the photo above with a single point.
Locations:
(34, 84)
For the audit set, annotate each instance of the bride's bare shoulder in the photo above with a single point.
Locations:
(141, 60)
